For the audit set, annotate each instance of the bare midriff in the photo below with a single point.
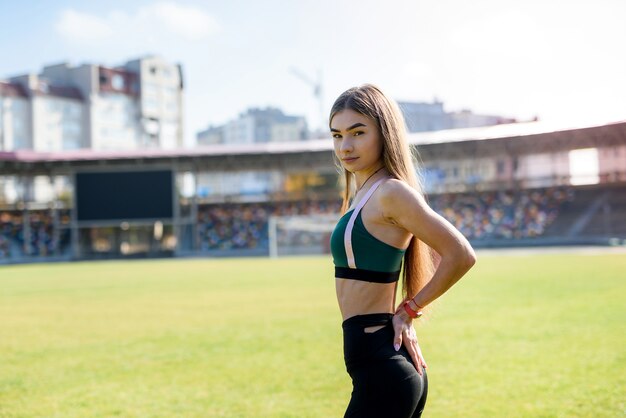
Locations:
(358, 297)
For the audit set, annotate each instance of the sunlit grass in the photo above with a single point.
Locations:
(533, 336)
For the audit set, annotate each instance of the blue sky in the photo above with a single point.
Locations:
(561, 60)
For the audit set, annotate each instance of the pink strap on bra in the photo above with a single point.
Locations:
(347, 236)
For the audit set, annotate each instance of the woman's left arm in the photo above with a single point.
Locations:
(406, 208)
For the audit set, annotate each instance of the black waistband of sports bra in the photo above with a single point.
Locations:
(367, 275)
(367, 320)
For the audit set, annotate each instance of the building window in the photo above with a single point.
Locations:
(150, 90)
(150, 105)
(54, 106)
(72, 110)
(172, 107)
(117, 82)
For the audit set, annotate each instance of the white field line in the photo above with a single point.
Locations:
(525, 251)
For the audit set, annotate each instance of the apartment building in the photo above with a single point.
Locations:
(256, 125)
(135, 105)
(423, 116)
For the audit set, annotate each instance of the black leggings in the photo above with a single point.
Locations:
(385, 382)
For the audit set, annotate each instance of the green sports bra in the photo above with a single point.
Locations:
(359, 255)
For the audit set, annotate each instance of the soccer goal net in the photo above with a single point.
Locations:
(299, 235)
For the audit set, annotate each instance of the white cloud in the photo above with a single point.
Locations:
(152, 24)
(191, 23)
(83, 27)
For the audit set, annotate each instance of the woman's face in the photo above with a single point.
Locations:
(357, 142)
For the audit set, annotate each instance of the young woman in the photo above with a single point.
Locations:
(388, 223)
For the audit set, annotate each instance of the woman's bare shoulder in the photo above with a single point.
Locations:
(396, 192)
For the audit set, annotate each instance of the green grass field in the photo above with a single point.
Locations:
(520, 336)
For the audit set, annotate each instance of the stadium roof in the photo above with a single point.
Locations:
(509, 130)
(517, 138)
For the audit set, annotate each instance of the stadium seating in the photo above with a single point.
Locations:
(43, 239)
(506, 217)
(245, 226)
(502, 214)
(610, 218)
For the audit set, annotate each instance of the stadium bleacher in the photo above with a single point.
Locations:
(610, 217)
(501, 217)
(44, 240)
(245, 226)
(483, 216)
(502, 214)
(500, 186)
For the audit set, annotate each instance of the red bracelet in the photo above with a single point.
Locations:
(418, 307)
(411, 312)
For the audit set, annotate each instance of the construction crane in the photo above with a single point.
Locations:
(317, 92)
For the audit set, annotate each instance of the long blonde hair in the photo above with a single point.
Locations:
(370, 101)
